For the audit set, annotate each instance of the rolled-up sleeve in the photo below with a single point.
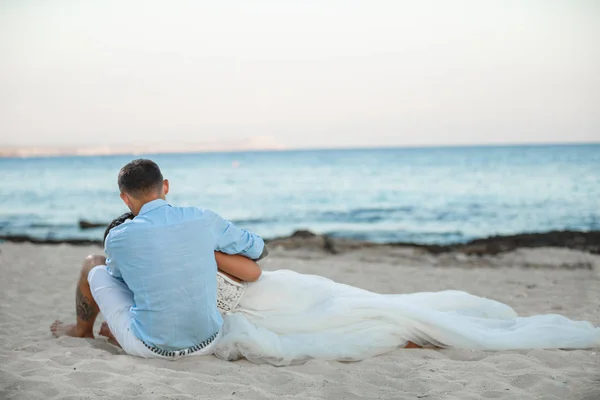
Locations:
(230, 239)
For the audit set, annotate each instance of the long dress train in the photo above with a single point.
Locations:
(286, 318)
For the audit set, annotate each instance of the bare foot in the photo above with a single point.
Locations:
(105, 331)
(58, 328)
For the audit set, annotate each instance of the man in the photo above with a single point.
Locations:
(157, 287)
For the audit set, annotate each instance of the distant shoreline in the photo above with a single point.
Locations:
(41, 152)
(576, 240)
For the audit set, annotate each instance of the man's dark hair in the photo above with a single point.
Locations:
(140, 177)
(116, 222)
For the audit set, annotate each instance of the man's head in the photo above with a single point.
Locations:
(140, 182)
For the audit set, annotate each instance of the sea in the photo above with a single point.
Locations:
(420, 195)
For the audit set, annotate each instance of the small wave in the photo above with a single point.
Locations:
(8, 227)
(383, 209)
(252, 221)
(48, 225)
(36, 225)
(396, 236)
(365, 215)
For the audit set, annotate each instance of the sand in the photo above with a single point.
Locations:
(37, 286)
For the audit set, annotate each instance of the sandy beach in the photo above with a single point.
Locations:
(38, 287)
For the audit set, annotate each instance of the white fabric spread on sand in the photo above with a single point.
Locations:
(287, 318)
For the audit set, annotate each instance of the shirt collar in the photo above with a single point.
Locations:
(152, 205)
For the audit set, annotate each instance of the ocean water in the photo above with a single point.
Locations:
(421, 195)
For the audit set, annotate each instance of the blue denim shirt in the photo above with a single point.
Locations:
(165, 255)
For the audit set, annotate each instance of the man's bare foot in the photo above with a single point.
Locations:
(105, 331)
(58, 328)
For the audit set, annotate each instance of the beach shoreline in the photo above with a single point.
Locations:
(587, 241)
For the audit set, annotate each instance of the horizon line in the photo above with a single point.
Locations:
(74, 152)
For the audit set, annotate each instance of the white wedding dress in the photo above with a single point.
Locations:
(287, 318)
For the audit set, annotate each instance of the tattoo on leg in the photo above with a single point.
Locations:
(84, 308)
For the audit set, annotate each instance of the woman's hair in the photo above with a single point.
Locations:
(116, 222)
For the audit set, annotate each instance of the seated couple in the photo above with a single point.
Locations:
(183, 281)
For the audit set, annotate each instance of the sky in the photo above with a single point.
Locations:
(299, 74)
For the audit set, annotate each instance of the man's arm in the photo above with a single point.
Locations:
(230, 239)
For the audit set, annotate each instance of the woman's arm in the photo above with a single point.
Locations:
(238, 266)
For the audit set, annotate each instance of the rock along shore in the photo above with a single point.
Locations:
(303, 239)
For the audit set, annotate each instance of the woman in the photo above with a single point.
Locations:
(283, 317)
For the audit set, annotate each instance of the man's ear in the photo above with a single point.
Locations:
(126, 199)
(166, 186)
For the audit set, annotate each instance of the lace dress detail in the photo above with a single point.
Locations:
(229, 293)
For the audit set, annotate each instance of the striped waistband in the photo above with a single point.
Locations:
(182, 352)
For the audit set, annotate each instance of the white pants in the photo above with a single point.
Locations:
(115, 301)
